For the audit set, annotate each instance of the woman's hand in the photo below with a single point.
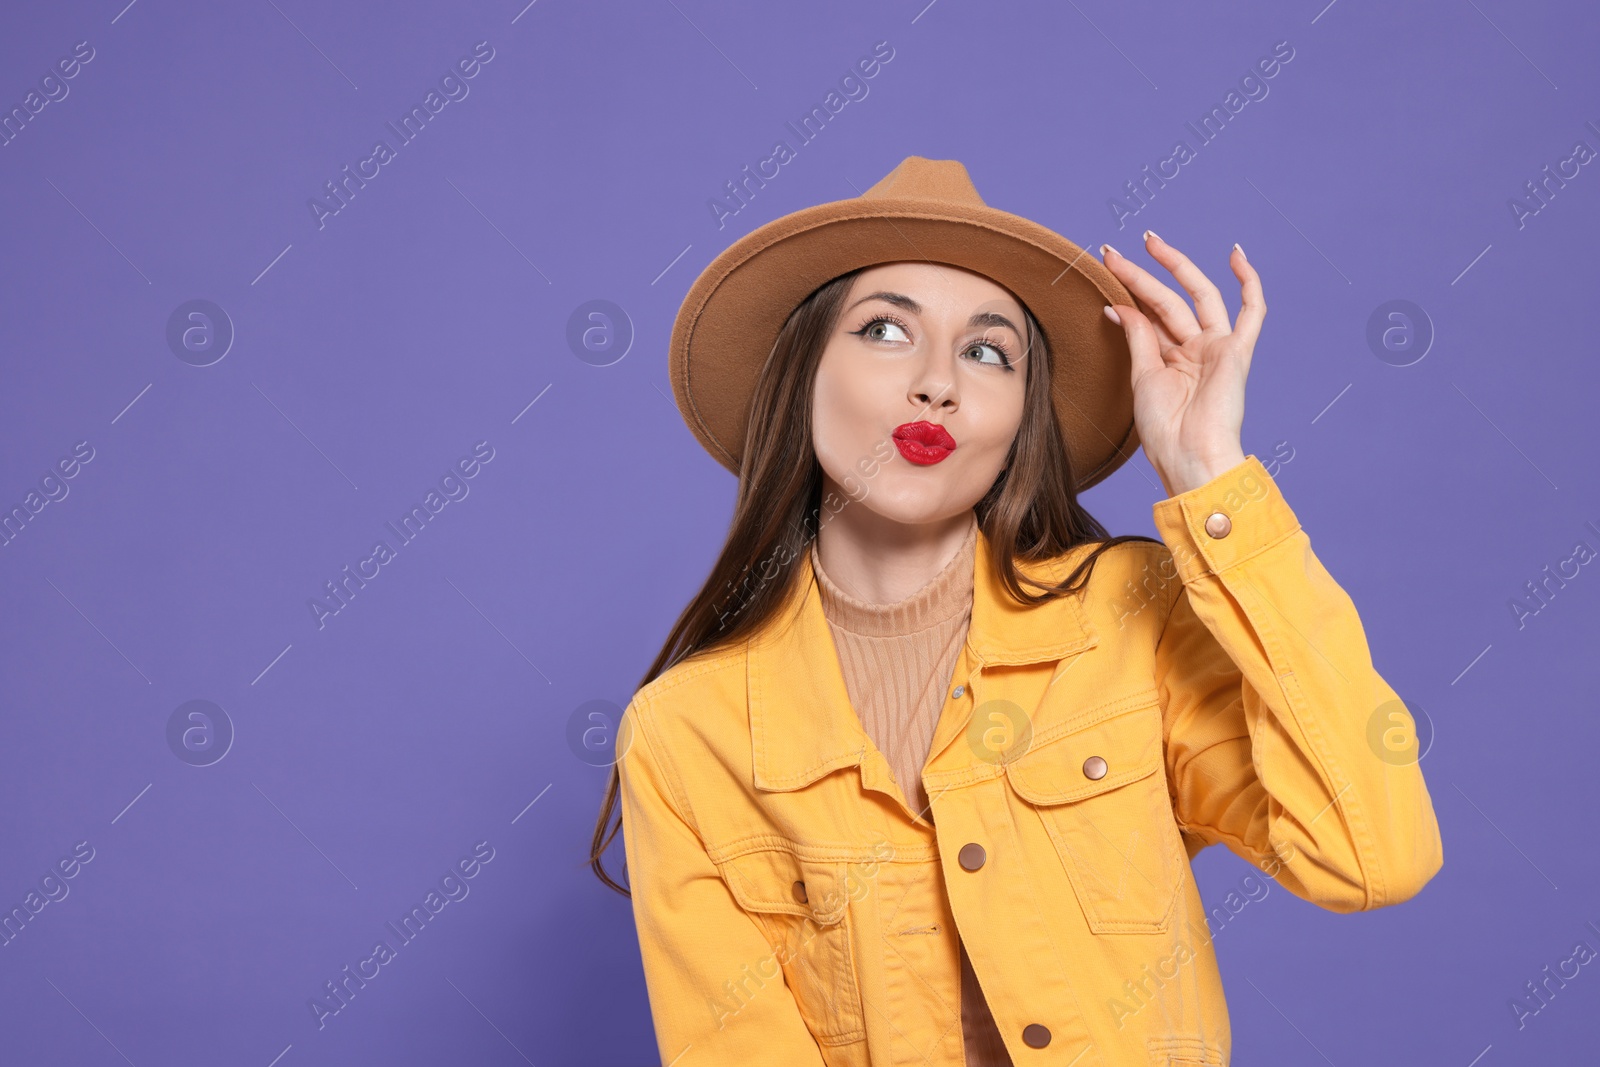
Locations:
(1188, 375)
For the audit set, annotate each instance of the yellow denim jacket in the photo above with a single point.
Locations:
(792, 909)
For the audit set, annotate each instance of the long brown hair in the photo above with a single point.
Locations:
(1030, 513)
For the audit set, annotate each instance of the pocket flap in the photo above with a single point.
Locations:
(774, 880)
(1090, 760)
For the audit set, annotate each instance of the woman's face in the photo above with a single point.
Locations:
(919, 392)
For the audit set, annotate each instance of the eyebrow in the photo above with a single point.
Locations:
(981, 318)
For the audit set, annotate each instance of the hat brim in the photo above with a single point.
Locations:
(731, 316)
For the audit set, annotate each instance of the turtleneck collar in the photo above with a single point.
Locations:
(947, 595)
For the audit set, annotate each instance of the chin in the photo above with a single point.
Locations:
(915, 498)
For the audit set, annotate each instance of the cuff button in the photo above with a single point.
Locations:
(799, 890)
(1218, 524)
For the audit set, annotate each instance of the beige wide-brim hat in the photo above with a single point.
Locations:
(924, 209)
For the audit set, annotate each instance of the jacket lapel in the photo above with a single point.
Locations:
(802, 724)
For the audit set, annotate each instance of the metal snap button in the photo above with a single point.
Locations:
(1035, 1036)
(1218, 524)
(959, 691)
(971, 856)
(800, 892)
(1094, 767)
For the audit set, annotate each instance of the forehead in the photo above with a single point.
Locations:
(938, 287)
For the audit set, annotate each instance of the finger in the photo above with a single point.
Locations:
(1253, 306)
(1144, 346)
(1207, 297)
(1170, 308)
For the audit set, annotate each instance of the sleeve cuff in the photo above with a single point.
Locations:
(1227, 520)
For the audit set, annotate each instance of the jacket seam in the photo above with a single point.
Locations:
(677, 798)
(682, 673)
(1253, 553)
(1335, 777)
(1349, 805)
(1207, 571)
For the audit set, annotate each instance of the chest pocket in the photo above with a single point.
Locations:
(1101, 793)
(803, 906)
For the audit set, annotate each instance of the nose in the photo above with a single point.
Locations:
(933, 387)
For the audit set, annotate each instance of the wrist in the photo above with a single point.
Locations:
(1196, 470)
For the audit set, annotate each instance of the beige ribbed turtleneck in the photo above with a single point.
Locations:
(897, 661)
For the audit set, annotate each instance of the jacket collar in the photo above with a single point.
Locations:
(802, 724)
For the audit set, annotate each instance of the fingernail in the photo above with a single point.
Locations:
(1107, 248)
(1151, 233)
(1239, 250)
(1111, 313)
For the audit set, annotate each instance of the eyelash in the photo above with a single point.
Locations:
(1000, 346)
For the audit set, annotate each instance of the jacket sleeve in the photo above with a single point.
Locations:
(1282, 741)
(717, 995)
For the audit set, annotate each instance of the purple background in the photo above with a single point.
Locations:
(432, 312)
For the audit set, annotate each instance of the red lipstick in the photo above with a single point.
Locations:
(923, 442)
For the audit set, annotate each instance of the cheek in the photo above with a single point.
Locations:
(995, 420)
(842, 419)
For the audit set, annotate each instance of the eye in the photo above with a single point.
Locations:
(878, 329)
(999, 348)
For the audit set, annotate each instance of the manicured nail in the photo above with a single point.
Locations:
(1111, 313)
(1239, 250)
(1107, 248)
(1151, 233)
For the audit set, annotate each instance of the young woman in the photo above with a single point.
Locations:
(917, 776)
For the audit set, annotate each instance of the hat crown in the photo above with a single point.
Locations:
(919, 178)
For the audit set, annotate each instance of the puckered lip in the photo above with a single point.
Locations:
(927, 434)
